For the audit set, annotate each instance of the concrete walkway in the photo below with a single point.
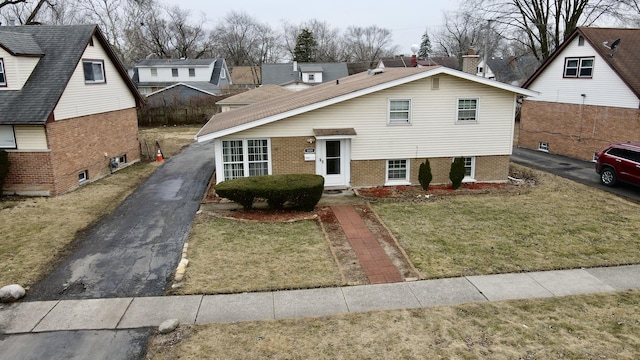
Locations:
(140, 312)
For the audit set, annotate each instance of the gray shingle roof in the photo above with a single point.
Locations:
(19, 44)
(279, 74)
(174, 62)
(63, 47)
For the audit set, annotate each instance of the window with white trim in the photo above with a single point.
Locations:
(578, 67)
(7, 137)
(242, 158)
(93, 71)
(400, 111)
(467, 110)
(397, 171)
(469, 168)
(192, 72)
(83, 176)
(543, 146)
(223, 74)
(3, 78)
(154, 72)
(174, 72)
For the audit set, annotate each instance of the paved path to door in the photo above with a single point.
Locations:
(374, 260)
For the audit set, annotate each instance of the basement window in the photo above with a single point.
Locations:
(543, 146)
(122, 159)
(83, 176)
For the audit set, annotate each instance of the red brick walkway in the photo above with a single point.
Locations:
(373, 259)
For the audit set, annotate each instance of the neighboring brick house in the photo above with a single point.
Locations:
(67, 108)
(589, 95)
(373, 128)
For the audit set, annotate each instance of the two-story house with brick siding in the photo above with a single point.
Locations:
(67, 108)
(372, 128)
(589, 94)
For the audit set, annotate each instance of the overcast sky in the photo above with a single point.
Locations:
(407, 20)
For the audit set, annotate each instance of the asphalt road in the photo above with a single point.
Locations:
(576, 170)
(132, 252)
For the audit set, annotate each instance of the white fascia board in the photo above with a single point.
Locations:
(176, 84)
(369, 90)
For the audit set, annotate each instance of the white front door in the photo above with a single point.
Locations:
(332, 161)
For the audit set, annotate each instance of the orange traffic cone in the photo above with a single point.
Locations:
(159, 157)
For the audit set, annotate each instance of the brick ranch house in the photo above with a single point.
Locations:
(589, 95)
(372, 128)
(67, 108)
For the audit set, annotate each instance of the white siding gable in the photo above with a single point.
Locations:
(433, 131)
(17, 69)
(605, 88)
(80, 99)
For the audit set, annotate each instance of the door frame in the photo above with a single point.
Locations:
(344, 179)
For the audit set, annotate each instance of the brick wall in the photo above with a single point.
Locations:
(288, 156)
(75, 145)
(574, 131)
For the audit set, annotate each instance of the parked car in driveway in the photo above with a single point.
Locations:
(619, 162)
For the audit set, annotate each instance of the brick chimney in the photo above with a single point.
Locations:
(470, 62)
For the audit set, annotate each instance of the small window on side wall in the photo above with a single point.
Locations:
(93, 71)
(467, 110)
(192, 72)
(399, 112)
(154, 72)
(3, 78)
(174, 72)
(83, 176)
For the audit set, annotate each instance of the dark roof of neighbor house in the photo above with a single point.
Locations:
(405, 61)
(174, 62)
(258, 94)
(279, 74)
(513, 69)
(320, 95)
(18, 44)
(62, 47)
(625, 61)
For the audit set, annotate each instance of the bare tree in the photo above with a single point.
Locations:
(546, 23)
(368, 45)
(187, 39)
(21, 11)
(330, 47)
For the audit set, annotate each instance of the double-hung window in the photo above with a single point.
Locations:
(248, 157)
(192, 72)
(578, 67)
(399, 112)
(3, 78)
(469, 168)
(7, 137)
(397, 172)
(93, 71)
(467, 110)
(174, 72)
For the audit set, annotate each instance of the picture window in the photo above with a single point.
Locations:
(241, 158)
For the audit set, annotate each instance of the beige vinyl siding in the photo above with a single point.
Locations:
(605, 88)
(17, 69)
(80, 99)
(433, 131)
(30, 137)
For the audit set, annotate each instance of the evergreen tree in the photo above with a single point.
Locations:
(456, 174)
(306, 47)
(425, 46)
(424, 174)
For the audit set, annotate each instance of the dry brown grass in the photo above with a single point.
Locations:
(36, 232)
(228, 256)
(576, 327)
(171, 139)
(556, 225)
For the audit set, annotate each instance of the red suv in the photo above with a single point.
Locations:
(619, 162)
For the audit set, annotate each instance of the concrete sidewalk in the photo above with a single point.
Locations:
(139, 312)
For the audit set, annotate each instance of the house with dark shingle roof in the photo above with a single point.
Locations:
(67, 108)
(299, 75)
(208, 76)
(589, 94)
(372, 128)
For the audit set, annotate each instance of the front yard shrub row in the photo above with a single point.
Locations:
(301, 191)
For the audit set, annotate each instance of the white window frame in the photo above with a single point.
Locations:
(154, 72)
(391, 121)
(192, 72)
(578, 67)
(394, 181)
(7, 137)
(543, 146)
(223, 73)
(3, 79)
(83, 176)
(244, 158)
(175, 72)
(470, 164)
(100, 72)
(476, 110)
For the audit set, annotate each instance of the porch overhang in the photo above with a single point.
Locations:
(341, 133)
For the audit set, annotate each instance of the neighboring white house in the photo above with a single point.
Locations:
(209, 75)
(373, 128)
(589, 94)
(299, 76)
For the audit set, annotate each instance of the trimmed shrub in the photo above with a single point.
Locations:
(456, 174)
(4, 168)
(424, 174)
(301, 191)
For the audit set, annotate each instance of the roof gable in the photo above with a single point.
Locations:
(327, 94)
(62, 47)
(625, 61)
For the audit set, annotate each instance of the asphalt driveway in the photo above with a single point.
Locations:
(576, 170)
(135, 250)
